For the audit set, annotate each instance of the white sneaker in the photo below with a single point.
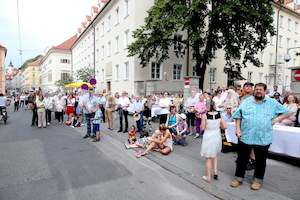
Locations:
(197, 136)
(48, 124)
(72, 126)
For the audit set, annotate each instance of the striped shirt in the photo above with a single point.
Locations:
(256, 120)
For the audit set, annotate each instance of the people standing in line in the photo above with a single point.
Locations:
(248, 91)
(212, 141)
(277, 97)
(147, 117)
(219, 101)
(59, 106)
(254, 127)
(16, 103)
(292, 106)
(231, 99)
(96, 122)
(275, 90)
(70, 102)
(176, 102)
(117, 107)
(102, 100)
(26, 101)
(164, 105)
(138, 107)
(124, 104)
(190, 112)
(224, 92)
(49, 106)
(200, 108)
(109, 110)
(89, 109)
(41, 111)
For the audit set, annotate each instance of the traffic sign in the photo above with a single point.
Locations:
(186, 81)
(297, 75)
(93, 81)
(84, 87)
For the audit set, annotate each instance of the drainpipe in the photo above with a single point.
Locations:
(276, 50)
(94, 38)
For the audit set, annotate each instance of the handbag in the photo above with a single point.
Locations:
(198, 115)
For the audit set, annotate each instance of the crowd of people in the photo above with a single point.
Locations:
(199, 115)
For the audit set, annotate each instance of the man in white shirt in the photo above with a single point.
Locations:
(49, 106)
(124, 104)
(102, 101)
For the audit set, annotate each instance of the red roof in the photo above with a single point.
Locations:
(289, 1)
(104, 1)
(83, 25)
(2, 47)
(37, 62)
(95, 9)
(88, 18)
(66, 46)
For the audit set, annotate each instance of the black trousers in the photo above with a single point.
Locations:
(243, 152)
(16, 106)
(103, 112)
(48, 116)
(125, 114)
(163, 118)
(34, 115)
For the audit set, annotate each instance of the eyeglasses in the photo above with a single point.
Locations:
(228, 108)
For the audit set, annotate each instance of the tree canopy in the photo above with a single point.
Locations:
(30, 61)
(84, 74)
(239, 27)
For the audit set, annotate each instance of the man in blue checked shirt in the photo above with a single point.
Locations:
(138, 106)
(89, 109)
(255, 118)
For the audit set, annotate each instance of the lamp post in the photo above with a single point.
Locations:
(287, 57)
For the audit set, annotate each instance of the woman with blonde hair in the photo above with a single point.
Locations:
(292, 106)
(164, 145)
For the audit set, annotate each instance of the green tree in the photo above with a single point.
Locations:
(84, 74)
(62, 83)
(30, 61)
(239, 27)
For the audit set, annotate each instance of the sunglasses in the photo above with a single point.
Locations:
(228, 108)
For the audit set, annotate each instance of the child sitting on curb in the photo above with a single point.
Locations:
(145, 141)
(181, 130)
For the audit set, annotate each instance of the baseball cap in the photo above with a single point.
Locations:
(248, 83)
(183, 116)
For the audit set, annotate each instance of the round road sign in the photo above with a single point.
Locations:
(297, 75)
(84, 87)
(93, 81)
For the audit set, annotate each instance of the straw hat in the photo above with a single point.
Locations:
(136, 116)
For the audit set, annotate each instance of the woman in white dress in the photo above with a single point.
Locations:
(212, 141)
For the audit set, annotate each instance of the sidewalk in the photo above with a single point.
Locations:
(192, 169)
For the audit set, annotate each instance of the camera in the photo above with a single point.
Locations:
(287, 58)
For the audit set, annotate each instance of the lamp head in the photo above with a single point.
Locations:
(287, 58)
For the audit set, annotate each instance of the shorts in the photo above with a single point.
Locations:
(26, 102)
(185, 133)
(96, 127)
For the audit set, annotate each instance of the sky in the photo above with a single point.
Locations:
(43, 24)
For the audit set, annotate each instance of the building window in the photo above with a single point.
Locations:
(33, 68)
(126, 70)
(102, 29)
(260, 77)
(126, 39)
(97, 55)
(102, 75)
(261, 57)
(288, 42)
(177, 68)
(65, 61)
(280, 41)
(33, 74)
(102, 52)
(212, 74)
(64, 76)
(117, 44)
(271, 40)
(109, 24)
(126, 8)
(249, 77)
(281, 21)
(117, 15)
(155, 70)
(50, 61)
(117, 72)
(33, 81)
(286, 80)
(296, 27)
(97, 33)
(178, 42)
(271, 58)
(49, 77)
(194, 71)
(109, 49)
(289, 24)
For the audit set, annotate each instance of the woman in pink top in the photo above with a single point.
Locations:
(200, 108)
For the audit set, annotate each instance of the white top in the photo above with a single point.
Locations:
(3, 101)
(165, 102)
(124, 101)
(49, 102)
(71, 102)
(218, 101)
(102, 100)
(22, 97)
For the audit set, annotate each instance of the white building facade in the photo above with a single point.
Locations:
(108, 31)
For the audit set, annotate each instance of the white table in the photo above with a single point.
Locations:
(286, 139)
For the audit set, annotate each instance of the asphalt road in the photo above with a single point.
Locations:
(56, 163)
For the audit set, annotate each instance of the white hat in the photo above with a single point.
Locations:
(183, 116)
(136, 116)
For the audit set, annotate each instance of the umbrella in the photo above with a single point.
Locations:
(77, 84)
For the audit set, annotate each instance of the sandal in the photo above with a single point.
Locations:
(206, 179)
(216, 175)
(139, 154)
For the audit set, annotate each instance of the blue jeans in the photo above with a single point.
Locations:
(88, 123)
(140, 122)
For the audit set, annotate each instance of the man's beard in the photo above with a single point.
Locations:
(258, 97)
